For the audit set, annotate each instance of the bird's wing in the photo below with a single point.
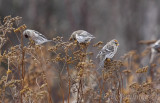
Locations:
(41, 41)
(39, 34)
(86, 34)
(106, 51)
(80, 39)
(83, 33)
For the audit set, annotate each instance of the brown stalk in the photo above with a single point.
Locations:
(69, 83)
(49, 97)
(147, 42)
(22, 61)
(61, 84)
(78, 97)
(100, 87)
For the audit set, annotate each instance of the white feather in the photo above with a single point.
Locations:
(36, 36)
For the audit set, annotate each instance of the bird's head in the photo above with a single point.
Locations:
(156, 46)
(73, 36)
(27, 33)
(115, 42)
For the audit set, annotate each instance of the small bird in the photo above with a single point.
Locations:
(108, 51)
(81, 36)
(155, 49)
(37, 37)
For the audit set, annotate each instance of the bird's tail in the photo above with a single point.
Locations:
(49, 40)
(97, 55)
(153, 55)
(101, 64)
(93, 37)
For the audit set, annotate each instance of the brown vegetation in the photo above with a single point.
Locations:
(66, 73)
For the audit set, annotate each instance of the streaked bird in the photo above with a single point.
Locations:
(155, 49)
(81, 36)
(37, 37)
(108, 51)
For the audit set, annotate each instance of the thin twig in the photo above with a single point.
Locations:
(61, 84)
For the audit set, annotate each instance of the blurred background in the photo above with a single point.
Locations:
(128, 21)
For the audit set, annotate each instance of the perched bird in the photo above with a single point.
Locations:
(108, 51)
(155, 49)
(81, 36)
(37, 37)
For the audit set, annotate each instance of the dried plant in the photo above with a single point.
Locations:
(66, 72)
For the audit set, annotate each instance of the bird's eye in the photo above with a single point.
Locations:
(26, 36)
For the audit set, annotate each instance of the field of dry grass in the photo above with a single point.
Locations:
(66, 72)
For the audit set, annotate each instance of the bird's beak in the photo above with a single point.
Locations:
(117, 44)
(70, 39)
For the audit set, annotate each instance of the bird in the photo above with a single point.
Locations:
(108, 51)
(155, 49)
(37, 37)
(81, 36)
